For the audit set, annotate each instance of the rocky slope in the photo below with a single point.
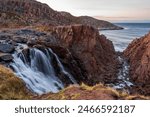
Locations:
(86, 20)
(138, 53)
(89, 57)
(13, 88)
(29, 12)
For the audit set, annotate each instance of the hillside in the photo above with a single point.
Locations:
(29, 12)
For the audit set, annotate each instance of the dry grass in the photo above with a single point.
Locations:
(11, 87)
(84, 92)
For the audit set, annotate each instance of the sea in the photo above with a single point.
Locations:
(122, 38)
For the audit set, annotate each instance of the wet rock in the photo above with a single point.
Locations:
(6, 48)
(31, 42)
(94, 54)
(11, 42)
(138, 54)
(6, 57)
(20, 39)
(5, 37)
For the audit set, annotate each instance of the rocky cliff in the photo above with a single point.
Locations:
(77, 51)
(12, 88)
(28, 12)
(94, 52)
(138, 53)
(89, 56)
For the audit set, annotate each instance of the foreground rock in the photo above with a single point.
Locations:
(138, 53)
(94, 54)
(6, 48)
(6, 57)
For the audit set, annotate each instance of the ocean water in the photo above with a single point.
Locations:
(122, 38)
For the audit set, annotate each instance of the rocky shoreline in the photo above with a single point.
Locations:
(138, 55)
(82, 62)
(89, 57)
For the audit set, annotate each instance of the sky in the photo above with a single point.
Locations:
(110, 10)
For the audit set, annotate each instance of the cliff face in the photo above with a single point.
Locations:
(29, 12)
(138, 53)
(94, 52)
(90, 57)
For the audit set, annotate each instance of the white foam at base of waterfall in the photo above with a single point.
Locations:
(39, 75)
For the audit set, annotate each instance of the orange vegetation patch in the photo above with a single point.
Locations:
(11, 87)
(84, 92)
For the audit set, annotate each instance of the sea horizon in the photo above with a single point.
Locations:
(122, 38)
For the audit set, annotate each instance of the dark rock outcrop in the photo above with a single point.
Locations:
(86, 20)
(6, 57)
(94, 53)
(138, 53)
(15, 13)
(6, 48)
(88, 56)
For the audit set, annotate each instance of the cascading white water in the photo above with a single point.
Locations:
(62, 68)
(38, 73)
(123, 75)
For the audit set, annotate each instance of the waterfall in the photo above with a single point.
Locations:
(62, 68)
(123, 75)
(38, 72)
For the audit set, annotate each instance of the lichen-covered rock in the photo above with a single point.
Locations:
(138, 53)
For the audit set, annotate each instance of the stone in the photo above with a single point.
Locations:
(31, 42)
(138, 54)
(20, 39)
(6, 48)
(94, 53)
(6, 57)
(5, 37)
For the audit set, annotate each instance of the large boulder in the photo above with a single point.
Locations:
(138, 53)
(94, 53)
(6, 48)
(6, 57)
